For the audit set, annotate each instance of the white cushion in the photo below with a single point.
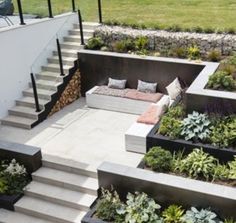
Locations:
(174, 89)
(147, 87)
(164, 101)
(117, 84)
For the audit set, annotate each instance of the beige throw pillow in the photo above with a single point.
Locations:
(174, 89)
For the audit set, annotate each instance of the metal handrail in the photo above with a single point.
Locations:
(50, 9)
(36, 99)
(73, 6)
(100, 11)
(81, 28)
(20, 12)
(60, 58)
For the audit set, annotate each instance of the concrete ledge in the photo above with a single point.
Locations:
(168, 189)
(30, 156)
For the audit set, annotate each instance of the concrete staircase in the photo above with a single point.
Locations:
(61, 191)
(23, 115)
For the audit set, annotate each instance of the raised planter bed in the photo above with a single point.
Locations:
(154, 139)
(88, 218)
(8, 201)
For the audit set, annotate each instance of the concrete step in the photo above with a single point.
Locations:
(23, 111)
(59, 195)
(46, 85)
(69, 165)
(70, 61)
(14, 217)
(48, 211)
(87, 25)
(51, 67)
(76, 38)
(71, 45)
(42, 93)
(30, 102)
(17, 121)
(87, 32)
(66, 180)
(67, 53)
(50, 76)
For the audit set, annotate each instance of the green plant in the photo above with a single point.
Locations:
(141, 43)
(3, 186)
(107, 205)
(221, 81)
(195, 127)
(123, 46)
(173, 214)
(202, 216)
(140, 208)
(221, 172)
(193, 53)
(95, 43)
(214, 55)
(229, 220)
(179, 52)
(223, 132)
(158, 159)
(198, 164)
(177, 112)
(170, 127)
(232, 169)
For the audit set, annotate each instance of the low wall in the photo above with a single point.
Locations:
(164, 40)
(20, 47)
(168, 189)
(97, 66)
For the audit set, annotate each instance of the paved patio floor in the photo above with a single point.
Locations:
(79, 133)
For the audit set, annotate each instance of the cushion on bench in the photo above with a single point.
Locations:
(105, 90)
(137, 95)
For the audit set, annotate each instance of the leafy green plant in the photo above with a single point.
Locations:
(179, 52)
(223, 132)
(202, 216)
(107, 205)
(221, 172)
(124, 46)
(3, 186)
(140, 208)
(158, 159)
(170, 127)
(198, 164)
(232, 169)
(214, 55)
(173, 214)
(141, 43)
(229, 220)
(195, 127)
(177, 112)
(221, 81)
(193, 53)
(95, 43)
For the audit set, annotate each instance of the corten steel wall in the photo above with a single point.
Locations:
(97, 66)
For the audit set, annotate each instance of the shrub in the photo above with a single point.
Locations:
(123, 46)
(177, 112)
(95, 43)
(158, 159)
(214, 55)
(140, 208)
(221, 81)
(141, 44)
(170, 127)
(223, 133)
(173, 214)
(3, 186)
(107, 205)
(195, 127)
(179, 52)
(229, 220)
(232, 169)
(193, 53)
(203, 216)
(221, 172)
(198, 164)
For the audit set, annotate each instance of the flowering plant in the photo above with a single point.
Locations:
(13, 177)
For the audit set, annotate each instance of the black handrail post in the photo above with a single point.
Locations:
(81, 28)
(35, 93)
(50, 9)
(73, 6)
(100, 11)
(20, 12)
(60, 58)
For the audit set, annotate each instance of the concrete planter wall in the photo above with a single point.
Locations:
(168, 189)
(153, 139)
(8, 201)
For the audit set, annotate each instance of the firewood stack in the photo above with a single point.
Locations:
(70, 94)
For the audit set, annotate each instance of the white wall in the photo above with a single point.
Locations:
(20, 47)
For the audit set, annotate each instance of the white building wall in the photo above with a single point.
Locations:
(20, 48)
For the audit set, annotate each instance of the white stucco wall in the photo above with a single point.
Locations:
(20, 46)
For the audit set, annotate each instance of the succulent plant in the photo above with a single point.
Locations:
(195, 127)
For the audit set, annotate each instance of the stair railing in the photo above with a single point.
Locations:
(50, 15)
(100, 11)
(81, 27)
(36, 99)
(60, 57)
(73, 6)
(20, 12)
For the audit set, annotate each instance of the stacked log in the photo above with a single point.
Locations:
(70, 94)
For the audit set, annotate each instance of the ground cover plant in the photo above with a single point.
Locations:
(13, 177)
(196, 165)
(140, 208)
(194, 15)
(217, 130)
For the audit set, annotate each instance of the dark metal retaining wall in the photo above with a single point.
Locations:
(97, 66)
